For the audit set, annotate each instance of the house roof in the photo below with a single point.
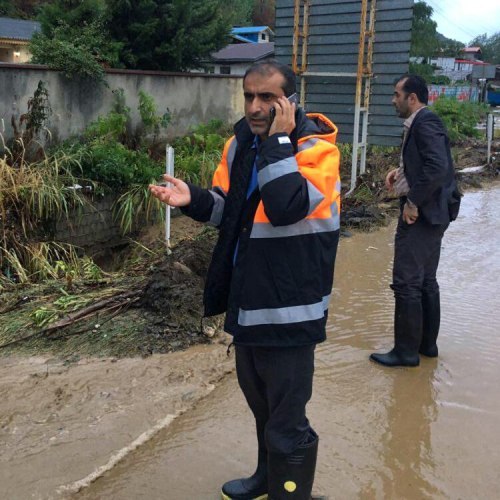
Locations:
(242, 30)
(17, 29)
(244, 52)
(471, 49)
(473, 63)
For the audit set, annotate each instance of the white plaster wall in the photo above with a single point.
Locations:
(192, 98)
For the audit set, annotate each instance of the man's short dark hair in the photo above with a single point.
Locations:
(415, 84)
(267, 67)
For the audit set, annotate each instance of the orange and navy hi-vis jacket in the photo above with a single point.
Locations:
(272, 267)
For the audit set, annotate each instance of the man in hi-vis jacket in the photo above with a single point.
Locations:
(276, 198)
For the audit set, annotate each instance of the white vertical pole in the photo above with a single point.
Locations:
(364, 140)
(489, 133)
(169, 169)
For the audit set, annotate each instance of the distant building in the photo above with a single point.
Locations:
(235, 58)
(471, 53)
(250, 44)
(458, 68)
(15, 35)
(444, 63)
(252, 34)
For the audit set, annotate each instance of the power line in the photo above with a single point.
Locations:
(443, 15)
(493, 28)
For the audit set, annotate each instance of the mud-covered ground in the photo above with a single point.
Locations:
(370, 205)
(156, 305)
(156, 296)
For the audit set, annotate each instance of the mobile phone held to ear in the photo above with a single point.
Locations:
(294, 98)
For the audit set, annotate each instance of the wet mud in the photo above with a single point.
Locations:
(72, 427)
(417, 433)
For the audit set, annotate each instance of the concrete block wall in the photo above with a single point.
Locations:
(91, 228)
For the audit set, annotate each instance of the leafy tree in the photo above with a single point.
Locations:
(240, 12)
(264, 13)
(424, 70)
(172, 35)
(24, 9)
(76, 52)
(490, 47)
(424, 39)
(7, 8)
(449, 47)
(71, 13)
(73, 38)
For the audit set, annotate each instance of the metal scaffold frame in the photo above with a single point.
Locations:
(363, 75)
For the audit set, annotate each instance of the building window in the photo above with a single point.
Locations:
(263, 37)
(225, 70)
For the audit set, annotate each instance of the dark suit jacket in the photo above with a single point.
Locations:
(429, 169)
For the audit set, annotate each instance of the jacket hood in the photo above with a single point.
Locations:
(307, 125)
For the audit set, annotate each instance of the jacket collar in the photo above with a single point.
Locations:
(303, 128)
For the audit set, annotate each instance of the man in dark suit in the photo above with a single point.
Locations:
(425, 182)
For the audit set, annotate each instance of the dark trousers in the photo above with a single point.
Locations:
(417, 249)
(277, 384)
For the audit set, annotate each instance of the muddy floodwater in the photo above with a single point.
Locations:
(127, 429)
(415, 433)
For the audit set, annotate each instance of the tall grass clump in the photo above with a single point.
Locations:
(31, 195)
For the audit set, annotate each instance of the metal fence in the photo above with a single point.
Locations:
(460, 93)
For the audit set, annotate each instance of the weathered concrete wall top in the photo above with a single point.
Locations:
(191, 98)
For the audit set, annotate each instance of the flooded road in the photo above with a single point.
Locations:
(426, 432)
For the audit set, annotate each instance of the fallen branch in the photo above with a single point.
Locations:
(122, 308)
(90, 310)
(116, 301)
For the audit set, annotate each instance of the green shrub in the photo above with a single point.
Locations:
(111, 127)
(459, 118)
(198, 154)
(440, 80)
(112, 164)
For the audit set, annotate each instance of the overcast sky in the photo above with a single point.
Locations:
(463, 20)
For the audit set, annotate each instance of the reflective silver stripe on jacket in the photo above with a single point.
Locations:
(304, 226)
(315, 197)
(284, 315)
(230, 155)
(278, 169)
(218, 208)
(308, 144)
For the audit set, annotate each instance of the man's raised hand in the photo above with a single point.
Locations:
(175, 195)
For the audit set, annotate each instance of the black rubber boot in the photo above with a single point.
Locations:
(292, 476)
(255, 486)
(431, 311)
(407, 335)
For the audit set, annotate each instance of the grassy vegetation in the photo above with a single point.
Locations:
(38, 188)
(32, 194)
(460, 118)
